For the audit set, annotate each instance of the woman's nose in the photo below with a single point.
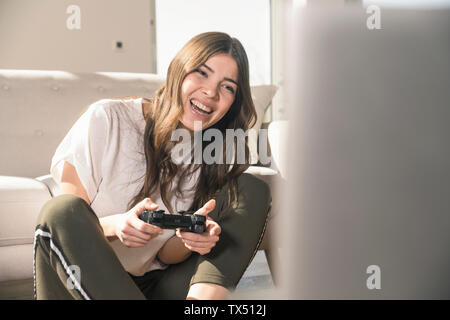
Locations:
(210, 90)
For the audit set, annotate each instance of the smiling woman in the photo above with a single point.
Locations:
(209, 91)
(116, 162)
(200, 72)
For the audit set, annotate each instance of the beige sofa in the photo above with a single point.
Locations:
(37, 108)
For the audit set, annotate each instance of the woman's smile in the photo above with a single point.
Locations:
(200, 108)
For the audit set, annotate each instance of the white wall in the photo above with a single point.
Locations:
(34, 35)
(177, 21)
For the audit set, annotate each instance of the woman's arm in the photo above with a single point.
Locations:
(71, 184)
(126, 226)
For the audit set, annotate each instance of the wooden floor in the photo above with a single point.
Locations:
(256, 283)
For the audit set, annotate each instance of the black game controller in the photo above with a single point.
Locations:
(190, 223)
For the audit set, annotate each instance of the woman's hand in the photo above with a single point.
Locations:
(132, 231)
(202, 243)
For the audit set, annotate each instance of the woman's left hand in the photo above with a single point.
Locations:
(202, 243)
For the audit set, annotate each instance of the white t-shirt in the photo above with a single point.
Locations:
(105, 146)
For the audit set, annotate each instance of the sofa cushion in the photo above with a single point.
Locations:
(21, 199)
(39, 107)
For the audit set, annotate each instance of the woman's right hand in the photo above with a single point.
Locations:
(132, 231)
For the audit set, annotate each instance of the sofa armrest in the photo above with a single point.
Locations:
(21, 199)
(51, 184)
(263, 173)
(278, 137)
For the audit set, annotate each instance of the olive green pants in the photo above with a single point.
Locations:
(73, 259)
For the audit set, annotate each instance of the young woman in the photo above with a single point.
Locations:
(116, 162)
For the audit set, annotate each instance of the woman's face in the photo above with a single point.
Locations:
(209, 91)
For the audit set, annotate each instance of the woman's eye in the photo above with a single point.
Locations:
(229, 88)
(201, 72)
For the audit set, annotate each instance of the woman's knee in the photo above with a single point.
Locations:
(252, 195)
(62, 210)
(253, 188)
(242, 230)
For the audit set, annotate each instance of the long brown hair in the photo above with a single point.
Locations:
(165, 114)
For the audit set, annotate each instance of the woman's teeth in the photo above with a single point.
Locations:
(200, 107)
